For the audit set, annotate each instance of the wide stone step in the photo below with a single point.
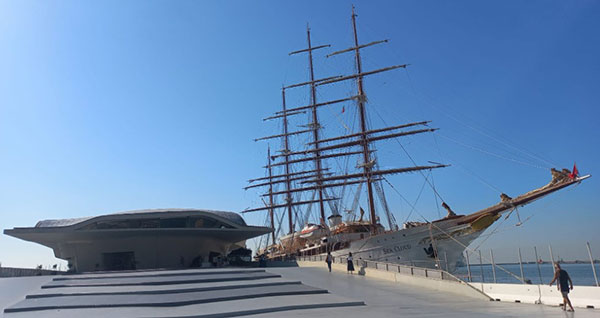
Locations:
(162, 291)
(152, 288)
(234, 308)
(158, 280)
(166, 273)
(185, 293)
(160, 300)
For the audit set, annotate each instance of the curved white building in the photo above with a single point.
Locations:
(143, 239)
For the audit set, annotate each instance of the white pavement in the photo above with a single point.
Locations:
(227, 292)
(278, 292)
(388, 299)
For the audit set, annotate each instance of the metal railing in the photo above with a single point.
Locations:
(509, 273)
(20, 272)
(409, 270)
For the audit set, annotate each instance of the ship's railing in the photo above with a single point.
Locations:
(410, 270)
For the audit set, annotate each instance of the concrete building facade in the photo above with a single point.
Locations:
(142, 239)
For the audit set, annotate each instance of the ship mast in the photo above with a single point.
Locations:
(319, 179)
(314, 125)
(363, 124)
(286, 151)
(271, 212)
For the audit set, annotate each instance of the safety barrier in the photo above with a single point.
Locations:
(19, 272)
(429, 278)
(581, 296)
(388, 267)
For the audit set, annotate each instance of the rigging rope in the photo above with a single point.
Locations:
(266, 235)
(416, 200)
(463, 245)
(391, 219)
(403, 198)
(354, 205)
(279, 225)
(494, 231)
(491, 186)
(457, 241)
(412, 160)
(497, 229)
(306, 216)
(437, 204)
(441, 110)
(493, 154)
(484, 257)
(434, 245)
(333, 206)
(433, 187)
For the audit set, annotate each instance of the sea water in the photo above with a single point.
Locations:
(581, 274)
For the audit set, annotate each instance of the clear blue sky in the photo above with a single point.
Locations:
(110, 106)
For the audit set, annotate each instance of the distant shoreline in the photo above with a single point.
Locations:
(596, 261)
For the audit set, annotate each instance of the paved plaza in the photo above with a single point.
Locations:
(270, 292)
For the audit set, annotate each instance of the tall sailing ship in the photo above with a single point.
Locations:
(439, 243)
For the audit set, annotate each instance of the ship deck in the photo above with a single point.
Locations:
(289, 291)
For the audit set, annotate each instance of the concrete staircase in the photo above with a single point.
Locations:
(181, 293)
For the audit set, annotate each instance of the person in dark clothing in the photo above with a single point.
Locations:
(328, 260)
(430, 251)
(262, 261)
(350, 263)
(562, 277)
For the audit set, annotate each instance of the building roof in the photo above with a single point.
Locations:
(230, 216)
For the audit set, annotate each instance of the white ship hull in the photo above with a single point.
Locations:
(451, 236)
(408, 246)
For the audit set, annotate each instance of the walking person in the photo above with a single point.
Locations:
(562, 277)
(329, 260)
(350, 263)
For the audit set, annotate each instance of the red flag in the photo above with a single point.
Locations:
(343, 109)
(575, 173)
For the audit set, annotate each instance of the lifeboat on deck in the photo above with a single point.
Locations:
(313, 232)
